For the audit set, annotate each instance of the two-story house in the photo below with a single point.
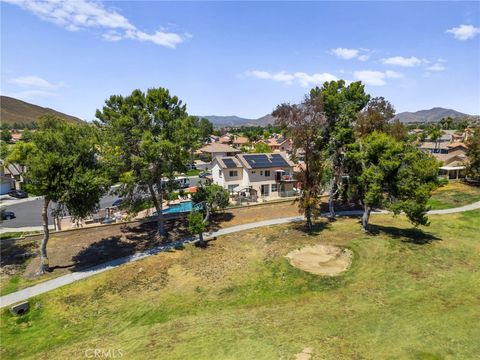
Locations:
(267, 175)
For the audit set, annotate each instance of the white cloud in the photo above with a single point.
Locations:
(159, 37)
(33, 81)
(302, 78)
(436, 67)
(75, 15)
(464, 32)
(376, 78)
(112, 36)
(347, 54)
(404, 61)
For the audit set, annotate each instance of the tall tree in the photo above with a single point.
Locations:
(63, 167)
(375, 117)
(435, 134)
(303, 123)
(145, 142)
(205, 129)
(473, 153)
(398, 131)
(341, 105)
(393, 175)
(197, 225)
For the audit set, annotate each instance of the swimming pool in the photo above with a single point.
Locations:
(184, 206)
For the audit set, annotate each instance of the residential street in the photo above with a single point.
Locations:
(29, 213)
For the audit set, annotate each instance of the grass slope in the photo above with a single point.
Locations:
(21, 112)
(454, 194)
(408, 295)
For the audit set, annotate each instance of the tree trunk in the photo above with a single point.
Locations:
(59, 223)
(331, 199)
(308, 216)
(366, 217)
(201, 241)
(158, 207)
(44, 266)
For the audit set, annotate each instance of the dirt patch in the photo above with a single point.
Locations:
(321, 259)
(306, 354)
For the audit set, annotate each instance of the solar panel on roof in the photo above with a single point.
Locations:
(229, 163)
(278, 160)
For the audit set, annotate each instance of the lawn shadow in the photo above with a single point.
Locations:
(411, 235)
(218, 218)
(316, 229)
(102, 251)
(206, 243)
(15, 253)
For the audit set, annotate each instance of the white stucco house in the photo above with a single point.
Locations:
(265, 176)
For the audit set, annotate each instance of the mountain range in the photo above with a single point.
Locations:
(21, 112)
(432, 115)
(233, 120)
(18, 111)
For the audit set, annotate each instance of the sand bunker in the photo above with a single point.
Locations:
(321, 259)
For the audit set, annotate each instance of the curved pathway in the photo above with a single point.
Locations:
(63, 280)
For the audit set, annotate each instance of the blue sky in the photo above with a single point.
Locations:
(228, 58)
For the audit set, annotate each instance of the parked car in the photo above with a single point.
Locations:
(204, 175)
(191, 167)
(7, 215)
(19, 194)
(117, 202)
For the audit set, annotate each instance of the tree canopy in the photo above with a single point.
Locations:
(145, 141)
(473, 153)
(303, 123)
(63, 167)
(387, 173)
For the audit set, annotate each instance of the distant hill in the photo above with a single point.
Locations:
(233, 121)
(432, 115)
(21, 112)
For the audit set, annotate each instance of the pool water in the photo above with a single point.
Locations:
(184, 206)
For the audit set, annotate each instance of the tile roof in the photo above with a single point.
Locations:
(218, 148)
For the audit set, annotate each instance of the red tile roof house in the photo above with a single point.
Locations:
(278, 145)
(265, 176)
(240, 141)
(452, 156)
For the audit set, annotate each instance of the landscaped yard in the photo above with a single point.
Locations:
(454, 194)
(408, 295)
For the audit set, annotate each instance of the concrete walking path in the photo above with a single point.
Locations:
(63, 280)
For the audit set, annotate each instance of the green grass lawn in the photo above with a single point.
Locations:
(193, 172)
(408, 295)
(16, 235)
(454, 194)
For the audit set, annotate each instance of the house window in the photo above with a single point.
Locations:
(232, 187)
(233, 173)
(261, 172)
(253, 171)
(220, 173)
(267, 172)
(274, 188)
